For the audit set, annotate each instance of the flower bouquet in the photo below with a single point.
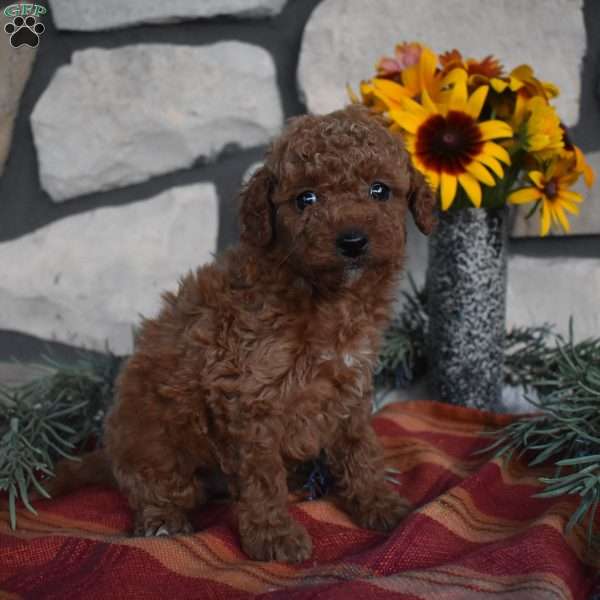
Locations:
(483, 139)
(476, 133)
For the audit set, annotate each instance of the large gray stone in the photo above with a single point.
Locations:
(540, 290)
(15, 68)
(586, 223)
(83, 15)
(84, 280)
(344, 39)
(550, 290)
(116, 117)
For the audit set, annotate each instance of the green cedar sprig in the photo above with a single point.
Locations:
(566, 430)
(403, 354)
(50, 418)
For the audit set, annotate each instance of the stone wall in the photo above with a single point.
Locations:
(132, 133)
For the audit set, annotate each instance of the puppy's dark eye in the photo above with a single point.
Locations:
(305, 199)
(379, 191)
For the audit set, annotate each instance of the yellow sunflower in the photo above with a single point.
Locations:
(449, 146)
(406, 55)
(382, 95)
(479, 72)
(542, 132)
(522, 78)
(580, 165)
(551, 188)
(583, 167)
(421, 77)
(414, 73)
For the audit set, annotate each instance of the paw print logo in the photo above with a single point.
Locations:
(24, 31)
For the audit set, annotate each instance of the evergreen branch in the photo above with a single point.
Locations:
(403, 355)
(568, 428)
(49, 418)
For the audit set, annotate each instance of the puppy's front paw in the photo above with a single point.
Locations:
(383, 513)
(290, 543)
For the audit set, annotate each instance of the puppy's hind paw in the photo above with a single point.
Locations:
(162, 526)
(290, 544)
(384, 513)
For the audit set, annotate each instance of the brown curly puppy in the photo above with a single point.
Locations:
(264, 359)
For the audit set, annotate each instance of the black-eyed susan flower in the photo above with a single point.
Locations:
(382, 95)
(523, 78)
(551, 189)
(479, 72)
(421, 76)
(448, 144)
(412, 72)
(406, 55)
(573, 153)
(582, 166)
(542, 133)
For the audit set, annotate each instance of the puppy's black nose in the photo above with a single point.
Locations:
(352, 243)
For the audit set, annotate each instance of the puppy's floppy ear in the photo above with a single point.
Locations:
(256, 210)
(422, 202)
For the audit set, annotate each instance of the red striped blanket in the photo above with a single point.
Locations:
(472, 530)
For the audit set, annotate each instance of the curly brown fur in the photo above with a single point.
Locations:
(263, 359)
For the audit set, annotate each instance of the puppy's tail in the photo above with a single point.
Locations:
(92, 468)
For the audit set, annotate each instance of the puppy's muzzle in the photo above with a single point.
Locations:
(352, 244)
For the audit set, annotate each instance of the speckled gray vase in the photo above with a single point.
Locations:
(466, 298)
